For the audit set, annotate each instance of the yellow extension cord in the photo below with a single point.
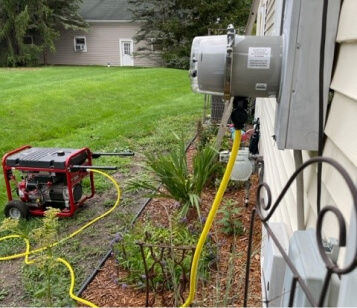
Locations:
(210, 218)
(201, 241)
(29, 252)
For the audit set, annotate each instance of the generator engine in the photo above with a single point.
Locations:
(44, 187)
(50, 177)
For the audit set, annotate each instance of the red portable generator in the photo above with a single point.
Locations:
(49, 177)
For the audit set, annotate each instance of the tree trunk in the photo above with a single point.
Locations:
(45, 57)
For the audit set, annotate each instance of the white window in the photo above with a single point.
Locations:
(80, 44)
(127, 47)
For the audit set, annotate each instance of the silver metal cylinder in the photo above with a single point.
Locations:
(256, 65)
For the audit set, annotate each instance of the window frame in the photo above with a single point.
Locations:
(75, 43)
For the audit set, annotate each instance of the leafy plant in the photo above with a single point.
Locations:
(3, 293)
(45, 266)
(206, 134)
(231, 225)
(44, 271)
(173, 174)
(129, 255)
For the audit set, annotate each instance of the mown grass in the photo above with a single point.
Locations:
(106, 109)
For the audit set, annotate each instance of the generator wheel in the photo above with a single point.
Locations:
(16, 209)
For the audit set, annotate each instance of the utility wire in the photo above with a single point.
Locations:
(321, 102)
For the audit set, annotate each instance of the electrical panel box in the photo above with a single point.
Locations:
(303, 252)
(273, 265)
(297, 112)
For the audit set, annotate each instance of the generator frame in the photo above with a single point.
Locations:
(73, 177)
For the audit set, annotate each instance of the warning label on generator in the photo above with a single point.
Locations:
(259, 57)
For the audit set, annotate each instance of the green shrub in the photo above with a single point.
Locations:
(230, 223)
(206, 135)
(173, 174)
(15, 61)
(129, 256)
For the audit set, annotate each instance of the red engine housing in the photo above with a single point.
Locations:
(29, 163)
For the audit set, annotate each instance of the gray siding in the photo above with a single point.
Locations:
(102, 46)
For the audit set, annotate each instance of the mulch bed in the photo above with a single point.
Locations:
(219, 290)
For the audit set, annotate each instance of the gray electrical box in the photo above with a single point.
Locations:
(296, 121)
(304, 254)
(348, 294)
(273, 265)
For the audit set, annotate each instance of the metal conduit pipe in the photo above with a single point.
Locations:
(299, 191)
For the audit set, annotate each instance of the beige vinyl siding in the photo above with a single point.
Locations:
(102, 46)
(261, 18)
(341, 128)
(279, 165)
(341, 124)
(342, 115)
(270, 18)
(269, 21)
(348, 22)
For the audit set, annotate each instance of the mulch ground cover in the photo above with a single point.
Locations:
(225, 286)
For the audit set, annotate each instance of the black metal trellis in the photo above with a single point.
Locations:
(331, 266)
(160, 254)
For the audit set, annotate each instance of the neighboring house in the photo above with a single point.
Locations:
(109, 40)
(340, 129)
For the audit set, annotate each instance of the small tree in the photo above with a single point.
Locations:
(40, 19)
(171, 25)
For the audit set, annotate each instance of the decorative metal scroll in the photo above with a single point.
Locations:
(331, 267)
(160, 255)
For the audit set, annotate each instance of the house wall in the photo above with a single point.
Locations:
(340, 130)
(102, 46)
(279, 165)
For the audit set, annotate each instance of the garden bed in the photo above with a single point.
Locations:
(225, 285)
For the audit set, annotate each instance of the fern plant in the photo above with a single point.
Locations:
(172, 172)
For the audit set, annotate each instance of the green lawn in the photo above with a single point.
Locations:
(103, 108)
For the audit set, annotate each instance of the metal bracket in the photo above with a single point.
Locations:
(231, 34)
